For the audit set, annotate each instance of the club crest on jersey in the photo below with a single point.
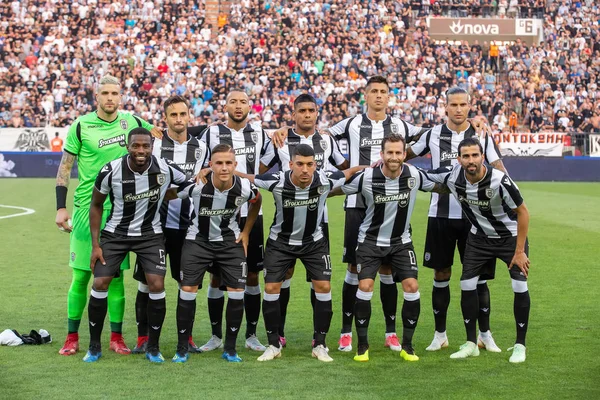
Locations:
(124, 124)
(321, 189)
(198, 153)
(489, 192)
(323, 144)
(254, 136)
(239, 201)
(412, 182)
(395, 129)
(161, 179)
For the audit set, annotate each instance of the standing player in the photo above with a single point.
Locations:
(189, 154)
(94, 139)
(137, 184)
(500, 221)
(215, 238)
(447, 228)
(296, 233)
(389, 193)
(365, 134)
(248, 142)
(327, 155)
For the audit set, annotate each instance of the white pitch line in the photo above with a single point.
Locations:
(26, 211)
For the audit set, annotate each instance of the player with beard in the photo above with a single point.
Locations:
(447, 226)
(500, 221)
(327, 157)
(389, 192)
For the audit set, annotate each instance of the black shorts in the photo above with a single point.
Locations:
(174, 239)
(481, 250)
(444, 235)
(280, 257)
(226, 256)
(149, 251)
(401, 257)
(256, 241)
(354, 218)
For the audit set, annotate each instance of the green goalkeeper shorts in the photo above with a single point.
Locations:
(81, 240)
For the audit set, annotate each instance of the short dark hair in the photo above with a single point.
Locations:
(303, 150)
(138, 131)
(304, 98)
(175, 100)
(456, 90)
(235, 89)
(470, 142)
(378, 79)
(393, 139)
(222, 148)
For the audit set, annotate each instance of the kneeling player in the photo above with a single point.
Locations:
(494, 206)
(215, 238)
(137, 184)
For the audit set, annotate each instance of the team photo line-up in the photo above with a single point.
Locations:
(192, 193)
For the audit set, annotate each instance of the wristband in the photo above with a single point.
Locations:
(61, 197)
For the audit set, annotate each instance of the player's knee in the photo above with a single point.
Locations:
(189, 289)
(469, 284)
(519, 286)
(366, 285)
(321, 286)
(156, 285)
(102, 284)
(410, 285)
(273, 287)
(442, 274)
(352, 268)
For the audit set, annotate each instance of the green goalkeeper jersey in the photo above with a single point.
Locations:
(96, 142)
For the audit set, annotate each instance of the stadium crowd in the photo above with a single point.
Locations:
(53, 53)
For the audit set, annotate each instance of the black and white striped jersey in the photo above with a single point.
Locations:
(443, 143)
(364, 138)
(488, 204)
(327, 151)
(189, 156)
(390, 203)
(215, 212)
(249, 145)
(135, 197)
(298, 212)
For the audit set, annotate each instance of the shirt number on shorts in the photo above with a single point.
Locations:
(161, 255)
(327, 259)
(244, 269)
(413, 258)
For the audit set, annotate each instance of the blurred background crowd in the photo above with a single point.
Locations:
(52, 54)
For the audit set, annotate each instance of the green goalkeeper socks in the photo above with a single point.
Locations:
(78, 295)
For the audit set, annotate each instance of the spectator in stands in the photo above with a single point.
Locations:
(279, 49)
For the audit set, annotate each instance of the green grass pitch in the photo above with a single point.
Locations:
(563, 339)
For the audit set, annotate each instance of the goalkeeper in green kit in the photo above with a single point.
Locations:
(94, 139)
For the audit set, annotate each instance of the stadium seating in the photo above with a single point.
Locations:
(53, 53)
